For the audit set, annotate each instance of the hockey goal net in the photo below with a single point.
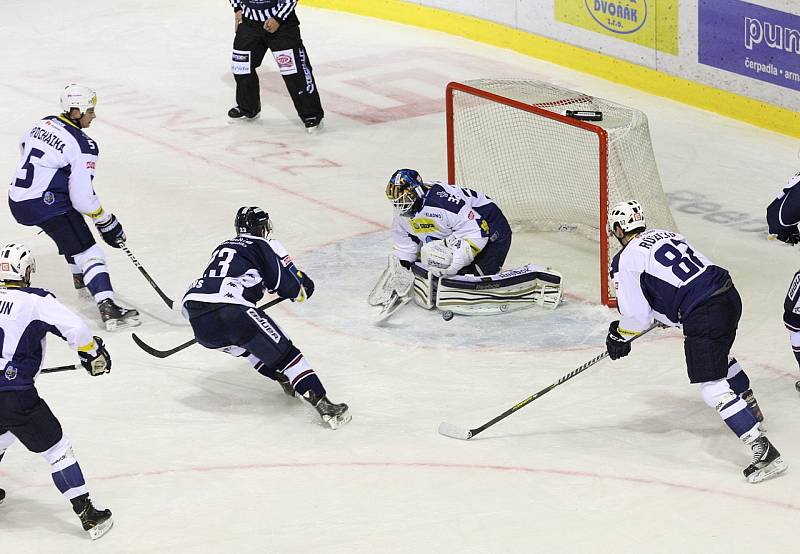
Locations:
(513, 140)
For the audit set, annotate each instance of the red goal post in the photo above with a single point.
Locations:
(513, 140)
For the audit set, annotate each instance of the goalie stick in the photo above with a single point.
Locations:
(167, 300)
(164, 353)
(455, 432)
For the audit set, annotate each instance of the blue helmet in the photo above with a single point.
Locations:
(404, 190)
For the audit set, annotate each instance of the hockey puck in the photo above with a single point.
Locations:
(447, 315)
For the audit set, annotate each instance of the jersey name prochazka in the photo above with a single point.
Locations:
(48, 138)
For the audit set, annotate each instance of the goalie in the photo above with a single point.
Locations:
(449, 247)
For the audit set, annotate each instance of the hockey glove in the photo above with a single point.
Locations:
(306, 287)
(112, 232)
(616, 344)
(789, 236)
(97, 363)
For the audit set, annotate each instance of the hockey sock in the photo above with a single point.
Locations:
(302, 376)
(737, 378)
(66, 472)
(794, 337)
(732, 409)
(95, 273)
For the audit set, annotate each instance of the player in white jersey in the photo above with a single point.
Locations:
(221, 307)
(783, 215)
(455, 230)
(659, 276)
(450, 244)
(52, 189)
(27, 314)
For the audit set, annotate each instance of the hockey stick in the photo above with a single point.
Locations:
(455, 432)
(164, 353)
(61, 368)
(167, 300)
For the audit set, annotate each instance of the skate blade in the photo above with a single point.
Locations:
(100, 529)
(775, 468)
(116, 324)
(334, 422)
(314, 130)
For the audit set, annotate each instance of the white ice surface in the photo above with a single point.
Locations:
(198, 453)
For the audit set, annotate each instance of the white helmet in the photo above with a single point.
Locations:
(628, 215)
(15, 259)
(78, 96)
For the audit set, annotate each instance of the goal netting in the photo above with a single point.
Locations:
(513, 140)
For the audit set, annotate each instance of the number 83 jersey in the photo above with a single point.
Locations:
(658, 275)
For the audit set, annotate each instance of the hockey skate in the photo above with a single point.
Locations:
(2, 495)
(313, 125)
(95, 522)
(797, 386)
(767, 461)
(748, 397)
(238, 113)
(116, 317)
(285, 384)
(334, 415)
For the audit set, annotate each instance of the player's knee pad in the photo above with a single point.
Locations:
(241, 62)
(717, 394)
(60, 453)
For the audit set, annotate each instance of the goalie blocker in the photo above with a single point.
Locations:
(507, 291)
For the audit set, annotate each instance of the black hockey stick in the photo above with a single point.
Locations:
(61, 368)
(164, 353)
(455, 432)
(167, 300)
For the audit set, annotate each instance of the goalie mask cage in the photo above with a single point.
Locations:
(512, 140)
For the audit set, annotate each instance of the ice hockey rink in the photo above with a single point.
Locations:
(198, 453)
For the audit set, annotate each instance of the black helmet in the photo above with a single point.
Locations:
(252, 220)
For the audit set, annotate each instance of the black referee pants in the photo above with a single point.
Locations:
(249, 47)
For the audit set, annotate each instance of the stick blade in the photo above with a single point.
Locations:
(454, 432)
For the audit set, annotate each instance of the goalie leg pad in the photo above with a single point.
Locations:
(508, 291)
(424, 287)
(394, 279)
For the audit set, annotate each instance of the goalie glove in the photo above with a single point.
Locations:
(448, 256)
(97, 363)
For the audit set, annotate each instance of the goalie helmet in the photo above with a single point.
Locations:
(404, 190)
(78, 96)
(628, 215)
(15, 260)
(252, 220)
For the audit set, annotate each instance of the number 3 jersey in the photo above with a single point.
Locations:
(658, 275)
(55, 172)
(242, 269)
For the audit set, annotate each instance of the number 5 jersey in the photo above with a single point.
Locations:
(658, 275)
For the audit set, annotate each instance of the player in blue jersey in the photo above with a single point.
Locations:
(27, 314)
(52, 189)
(221, 307)
(658, 276)
(783, 215)
(263, 25)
